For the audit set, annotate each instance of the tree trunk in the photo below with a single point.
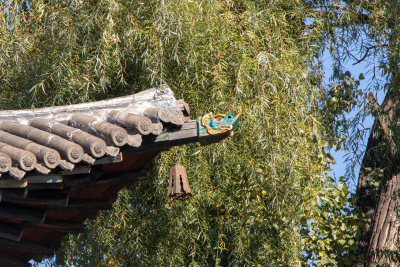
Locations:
(378, 197)
(379, 244)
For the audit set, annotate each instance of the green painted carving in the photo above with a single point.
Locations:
(213, 128)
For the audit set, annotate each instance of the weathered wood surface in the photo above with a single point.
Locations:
(9, 261)
(45, 179)
(45, 186)
(15, 192)
(27, 246)
(123, 178)
(55, 225)
(10, 231)
(12, 183)
(22, 213)
(188, 133)
(103, 180)
(44, 199)
(79, 204)
(108, 160)
(81, 169)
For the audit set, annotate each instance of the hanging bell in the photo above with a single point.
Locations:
(178, 183)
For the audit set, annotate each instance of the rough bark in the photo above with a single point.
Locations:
(378, 196)
(380, 241)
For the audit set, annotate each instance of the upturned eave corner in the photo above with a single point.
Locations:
(76, 158)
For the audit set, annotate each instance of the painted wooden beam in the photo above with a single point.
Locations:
(81, 169)
(188, 133)
(15, 192)
(10, 231)
(26, 246)
(22, 213)
(39, 186)
(105, 179)
(12, 183)
(39, 182)
(45, 179)
(107, 160)
(44, 198)
(9, 261)
(55, 225)
(122, 178)
(80, 204)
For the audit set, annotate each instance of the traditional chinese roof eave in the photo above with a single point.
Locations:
(100, 147)
(85, 131)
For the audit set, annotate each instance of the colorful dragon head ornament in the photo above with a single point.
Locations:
(216, 125)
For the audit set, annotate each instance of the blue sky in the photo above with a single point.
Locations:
(365, 67)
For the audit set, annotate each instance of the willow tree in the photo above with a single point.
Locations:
(262, 197)
(378, 184)
(373, 26)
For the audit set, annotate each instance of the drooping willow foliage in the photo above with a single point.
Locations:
(261, 197)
